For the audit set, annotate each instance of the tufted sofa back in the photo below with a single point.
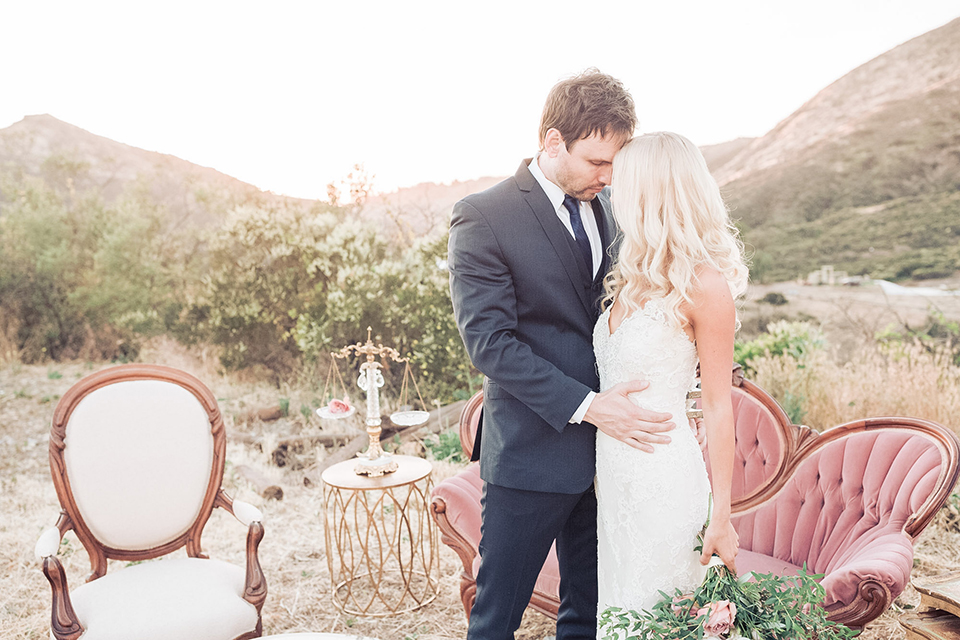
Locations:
(849, 492)
(761, 442)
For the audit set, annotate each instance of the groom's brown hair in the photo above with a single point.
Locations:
(589, 103)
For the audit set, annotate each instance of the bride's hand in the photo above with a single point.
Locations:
(696, 424)
(721, 539)
(614, 413)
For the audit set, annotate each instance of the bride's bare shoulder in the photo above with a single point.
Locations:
(711, 291)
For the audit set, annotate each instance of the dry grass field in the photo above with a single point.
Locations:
(292, 553)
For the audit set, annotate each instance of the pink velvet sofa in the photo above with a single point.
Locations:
(847, 502)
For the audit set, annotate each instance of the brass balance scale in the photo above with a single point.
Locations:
(375, 461)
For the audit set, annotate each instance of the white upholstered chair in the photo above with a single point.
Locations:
(137, 456)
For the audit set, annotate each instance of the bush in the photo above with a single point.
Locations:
(774, 298)
(796, 339)
(275, 288)
(286, 287)
(936, 334)
(79, 278)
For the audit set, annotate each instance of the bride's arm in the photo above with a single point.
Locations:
(713, 319)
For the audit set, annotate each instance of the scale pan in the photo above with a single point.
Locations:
(327, 414)
(409, 418)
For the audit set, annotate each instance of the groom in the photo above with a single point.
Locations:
(527, 260)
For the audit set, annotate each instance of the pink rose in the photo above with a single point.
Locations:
(678, 607)
(338, 406)
(720, 616)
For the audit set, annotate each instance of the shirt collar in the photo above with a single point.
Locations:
(554, 193)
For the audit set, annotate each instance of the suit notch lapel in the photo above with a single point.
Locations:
(557, 234)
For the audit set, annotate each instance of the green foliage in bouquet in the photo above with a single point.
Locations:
(765, 607)
(724, 607)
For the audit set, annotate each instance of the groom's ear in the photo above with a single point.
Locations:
(552, 143)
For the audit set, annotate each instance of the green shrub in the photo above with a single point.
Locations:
(80, 278)
(445, 446)
(774, 298)
(796, 339)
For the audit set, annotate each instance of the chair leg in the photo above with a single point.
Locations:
(63, 619)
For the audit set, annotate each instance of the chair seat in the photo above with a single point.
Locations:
(196, 598)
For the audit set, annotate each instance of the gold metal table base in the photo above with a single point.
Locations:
(381, 542)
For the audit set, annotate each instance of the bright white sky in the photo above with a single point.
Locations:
(288, 95)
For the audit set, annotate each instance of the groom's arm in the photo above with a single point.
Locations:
(485, 307)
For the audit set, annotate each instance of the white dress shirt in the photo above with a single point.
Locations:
(555, 194)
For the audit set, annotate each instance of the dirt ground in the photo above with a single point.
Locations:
(850, 315)
(292, 553)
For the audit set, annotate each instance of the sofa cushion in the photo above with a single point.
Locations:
(750, 562)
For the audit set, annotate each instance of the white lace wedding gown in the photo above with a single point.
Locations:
(651, 506)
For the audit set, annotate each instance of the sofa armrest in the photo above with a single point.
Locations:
(868, 579)
(455, 506)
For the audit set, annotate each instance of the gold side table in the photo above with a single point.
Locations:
(381, 542)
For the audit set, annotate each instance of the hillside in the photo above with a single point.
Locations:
(864, 175)
(718, 155)
(879, 149)
(909, 70)
(44, 146)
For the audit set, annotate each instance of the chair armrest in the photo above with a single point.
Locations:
(868, 579)
(255, 583)
(48, 544)
(63, 620)
(246, 513)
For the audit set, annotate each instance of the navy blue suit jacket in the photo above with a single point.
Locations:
(526, 305)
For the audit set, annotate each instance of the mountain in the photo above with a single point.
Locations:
(865, 175)
(718, 155)
(44, 146)
(423, 208)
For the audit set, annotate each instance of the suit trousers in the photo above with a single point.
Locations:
(518, 527)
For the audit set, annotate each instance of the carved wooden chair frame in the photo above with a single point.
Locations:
(64, 622)
(797, 443)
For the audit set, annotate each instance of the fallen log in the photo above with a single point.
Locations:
(264, 414)
(288, 448)
(264, 487)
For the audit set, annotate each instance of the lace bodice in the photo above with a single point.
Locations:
(647, 347)
(650, 505)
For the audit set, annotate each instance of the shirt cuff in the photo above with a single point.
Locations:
(582, 409)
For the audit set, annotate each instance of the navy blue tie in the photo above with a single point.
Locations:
(579, 233)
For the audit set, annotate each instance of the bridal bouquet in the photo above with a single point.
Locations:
(754, 607)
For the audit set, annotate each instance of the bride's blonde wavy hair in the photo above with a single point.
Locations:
(672, 221)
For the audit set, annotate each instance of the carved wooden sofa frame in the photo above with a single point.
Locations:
(65, 624)
(777, 463)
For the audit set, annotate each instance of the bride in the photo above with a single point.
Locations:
(669, 303)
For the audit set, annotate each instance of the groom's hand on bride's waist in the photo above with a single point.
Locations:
(613, 413)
